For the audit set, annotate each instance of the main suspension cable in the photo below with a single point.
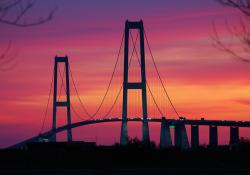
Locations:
(110, 81)
(159, 76)
(107, 89)
(119, 92)
(77, 94)
(71, 105)
(47, 105)
(154, 100)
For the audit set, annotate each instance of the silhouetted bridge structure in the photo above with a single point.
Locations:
(180, 139)
(180, 135)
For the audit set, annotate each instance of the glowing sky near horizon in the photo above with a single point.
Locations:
(202, 81)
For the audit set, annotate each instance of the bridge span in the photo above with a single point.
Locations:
(180, 138)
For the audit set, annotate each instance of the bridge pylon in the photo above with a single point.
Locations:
(165, 136)
(56, 102)
(134, 85)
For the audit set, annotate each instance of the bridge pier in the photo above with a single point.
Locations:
(194, 136)
(145, 131)
(124, 132)
(180, 136)
(213, 135)
(165, 138)
(234, 135)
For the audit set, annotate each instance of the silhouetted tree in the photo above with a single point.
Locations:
(136, 143)
(242, 5)
(240, 33)
(21, 8)
(14, 12)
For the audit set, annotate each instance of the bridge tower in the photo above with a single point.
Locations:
(56, 103)
(134, 85)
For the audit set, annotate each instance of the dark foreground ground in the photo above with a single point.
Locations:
(135, 159)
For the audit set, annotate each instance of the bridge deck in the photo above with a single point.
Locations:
(169, 121)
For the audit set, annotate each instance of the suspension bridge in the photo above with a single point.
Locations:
(146, 96)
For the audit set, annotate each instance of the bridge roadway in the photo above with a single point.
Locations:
(48, 134)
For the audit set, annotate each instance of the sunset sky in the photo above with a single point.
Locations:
(201, 80)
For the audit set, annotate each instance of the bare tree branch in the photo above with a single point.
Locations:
(7, 59)
(242, 5)
(225, 47)
(22, 7)
(240, 33)
(13, 12)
